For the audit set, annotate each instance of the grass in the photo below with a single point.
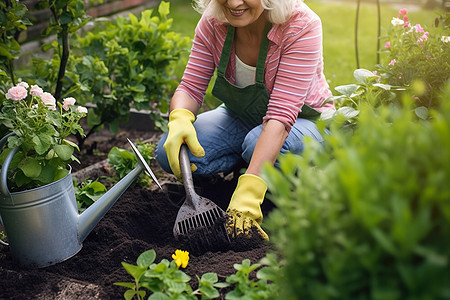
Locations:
(338, 20)
(185, 18)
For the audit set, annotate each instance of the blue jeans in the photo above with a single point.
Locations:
(227, 141)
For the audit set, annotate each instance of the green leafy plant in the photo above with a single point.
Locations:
(416, 62)
(127, 62)
(417, 57)
(39, 126)
(368, 216)
(265, 287)
(123, 161)
(87, 192)
(12, 20)
(368, 89)
(117, 65)
(165, 281)
(67, 16)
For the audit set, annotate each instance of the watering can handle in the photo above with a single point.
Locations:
(4, 171)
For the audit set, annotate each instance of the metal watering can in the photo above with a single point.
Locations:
(42, 224)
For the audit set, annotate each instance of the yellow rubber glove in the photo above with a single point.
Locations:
(244, 211)
(181, 131)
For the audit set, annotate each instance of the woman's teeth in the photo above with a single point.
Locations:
(237, 11)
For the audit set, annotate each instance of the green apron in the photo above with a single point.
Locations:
(248, 103)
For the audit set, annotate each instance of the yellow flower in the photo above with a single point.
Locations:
(181, 258)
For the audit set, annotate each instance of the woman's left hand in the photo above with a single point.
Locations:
(244, 210)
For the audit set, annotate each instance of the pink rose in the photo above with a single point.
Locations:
(16, 93)
(67, 102)
(387, 45)
(418, 28)
(392, 62)
(24, 84)
(403, 11)
(82, 109)
(36, 91)
(48, 100)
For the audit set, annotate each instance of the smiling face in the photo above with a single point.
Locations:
(241, 13)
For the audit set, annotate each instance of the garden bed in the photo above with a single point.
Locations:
(140, 220)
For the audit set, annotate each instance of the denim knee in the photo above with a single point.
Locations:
(161, 156)
(249, 144)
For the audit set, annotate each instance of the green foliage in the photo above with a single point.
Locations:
(128, 62)
(117, 65)
(417, 64)
(244, 288)
(417, 58)
(67, 16)
(3, 237)
(87, 192)
(12, 20)
(123, 161)
(368, 216)
(165, 281)
(366, 90)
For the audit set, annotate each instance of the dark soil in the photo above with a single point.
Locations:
(140, 220)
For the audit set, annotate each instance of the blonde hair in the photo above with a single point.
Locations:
(278, 11)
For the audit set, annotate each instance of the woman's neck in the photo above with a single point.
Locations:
(248, 41)
(253, 31)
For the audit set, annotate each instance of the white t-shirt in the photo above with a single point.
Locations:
(245, 74)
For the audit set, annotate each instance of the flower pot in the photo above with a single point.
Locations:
(41, 223)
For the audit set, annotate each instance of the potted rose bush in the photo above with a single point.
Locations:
(37, 126)
(38, 209)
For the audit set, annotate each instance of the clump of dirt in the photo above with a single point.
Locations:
(140, 220)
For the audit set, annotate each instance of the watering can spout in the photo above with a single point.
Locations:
(94, 213)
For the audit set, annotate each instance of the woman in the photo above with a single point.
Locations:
(268, 57)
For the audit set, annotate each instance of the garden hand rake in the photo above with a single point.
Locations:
(200, 222)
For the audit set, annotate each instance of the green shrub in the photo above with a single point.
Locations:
(416, 62)
(12, 20)
(417, 57)
(368, 216)
(121, 64)
(134, 60)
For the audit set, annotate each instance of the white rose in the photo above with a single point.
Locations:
(48, 100)
(397, 21)
(67, 102)
(82, 109)
(35, 90)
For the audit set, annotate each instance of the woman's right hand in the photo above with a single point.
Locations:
(181, 131)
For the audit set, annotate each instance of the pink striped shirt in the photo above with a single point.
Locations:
(293, 69)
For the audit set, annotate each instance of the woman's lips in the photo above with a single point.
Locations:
(237, 12)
